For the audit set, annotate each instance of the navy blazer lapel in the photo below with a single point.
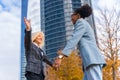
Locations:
(38, 50)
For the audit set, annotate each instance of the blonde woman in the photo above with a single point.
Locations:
(34, 54)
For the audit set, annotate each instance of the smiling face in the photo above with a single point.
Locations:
(74, 17)
(39, 39)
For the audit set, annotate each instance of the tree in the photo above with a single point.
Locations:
(70, 69)
(108, 25)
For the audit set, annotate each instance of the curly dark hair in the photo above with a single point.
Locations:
(84, 11)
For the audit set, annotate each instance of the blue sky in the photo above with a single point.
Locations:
(10, 14)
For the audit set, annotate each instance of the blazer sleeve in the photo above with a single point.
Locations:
(79, 30)
(27, 40)
(46, 60)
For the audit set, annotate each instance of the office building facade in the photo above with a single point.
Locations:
(22, 59)
(56, 23)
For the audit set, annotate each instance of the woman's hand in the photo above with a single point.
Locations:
(28, 24)
(57, 63)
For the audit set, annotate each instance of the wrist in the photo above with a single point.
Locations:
(28, 29)
(60, 56)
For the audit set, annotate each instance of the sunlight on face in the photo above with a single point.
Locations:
(74, 18)
(39, 39)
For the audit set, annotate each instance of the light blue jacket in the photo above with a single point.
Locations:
(83, 35)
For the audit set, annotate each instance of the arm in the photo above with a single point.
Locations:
(45, 59)
(27, 40)
(27, 34)
(76, 36)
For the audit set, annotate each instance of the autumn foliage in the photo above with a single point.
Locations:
(70, 69)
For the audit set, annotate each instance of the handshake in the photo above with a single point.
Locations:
(58, 60)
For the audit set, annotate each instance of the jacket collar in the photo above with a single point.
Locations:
(79, 20)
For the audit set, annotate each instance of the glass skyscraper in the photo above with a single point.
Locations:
(23, 14)
(56, 23)
(31, 10)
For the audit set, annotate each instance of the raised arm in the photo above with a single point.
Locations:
(27, 34)
(28, 24)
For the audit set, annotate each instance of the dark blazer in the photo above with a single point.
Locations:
(34, 55)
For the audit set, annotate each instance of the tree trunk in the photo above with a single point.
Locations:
(114, 73)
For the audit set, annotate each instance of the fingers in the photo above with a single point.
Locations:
(27, 23)
(59, 52)
(57, 63)
(55, 67)
(24, 19)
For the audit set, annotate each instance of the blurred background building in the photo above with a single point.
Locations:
(56, 22)
(23, 62)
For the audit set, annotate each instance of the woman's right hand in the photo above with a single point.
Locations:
(28, 24)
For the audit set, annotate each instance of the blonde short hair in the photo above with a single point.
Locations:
(34, 36)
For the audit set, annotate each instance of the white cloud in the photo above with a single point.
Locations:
(9, 3)
(16, 11)
(106, 3)
(9, 41)
(0, 8)
(12, 6)
(9, 47)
